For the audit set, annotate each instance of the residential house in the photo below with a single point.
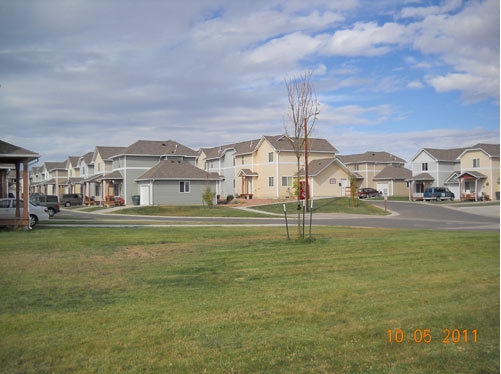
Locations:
(175, 182)
(103, 165)
(479, 172)
(262, 168)
(221, 160)
(90, 186)
(49, 179)
(328, 177)
(74, 182)
(370, 164)
(135, 160)
(392, 180)
(434, 167)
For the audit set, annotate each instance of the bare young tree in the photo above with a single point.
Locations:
(303, 111)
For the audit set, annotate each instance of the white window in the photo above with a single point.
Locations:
(424, 166)
(271, 181)
(184, 186)
(287, 181)
(476, 162)
(270, 157)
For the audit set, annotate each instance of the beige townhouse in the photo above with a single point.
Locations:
(369, 164)
(479, 176)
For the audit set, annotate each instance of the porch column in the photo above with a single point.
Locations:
(25, 191)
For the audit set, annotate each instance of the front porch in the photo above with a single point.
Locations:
(471, 185)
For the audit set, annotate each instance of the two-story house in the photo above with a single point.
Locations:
(368, 167)
(261, 168)
(103, 165)
(50, 178)
(434, 167)
(479, 172)
(136, 159)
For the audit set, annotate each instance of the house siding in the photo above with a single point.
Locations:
(166, 192)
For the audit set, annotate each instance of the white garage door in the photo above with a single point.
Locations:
(384, 188)
(144, 194)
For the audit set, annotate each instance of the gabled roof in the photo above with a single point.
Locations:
(10, 152)
(371, 157)
(177, 170)
(392, 172)
(443, 155)
(87, 158)
(472, 174)
(72, 161)
(492, 150)
(283, 143)
(247, 173)
(156, 148)
(106, 152)
(244, 148)
(55, 165)
(315, 167)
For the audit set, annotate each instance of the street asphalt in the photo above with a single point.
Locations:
(404, 215)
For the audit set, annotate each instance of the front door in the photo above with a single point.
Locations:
(144, 194)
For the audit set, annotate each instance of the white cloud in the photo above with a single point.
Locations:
(447, 6)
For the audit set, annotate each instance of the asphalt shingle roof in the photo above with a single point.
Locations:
(176, 169)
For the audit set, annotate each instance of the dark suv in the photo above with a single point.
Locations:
(49, 201)
(438, 194)
(72, 199)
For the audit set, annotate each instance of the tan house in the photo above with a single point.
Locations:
(268, 169)
(328, 177)
(369, 164)
(49, 179)
(392, 180)
(479, 175)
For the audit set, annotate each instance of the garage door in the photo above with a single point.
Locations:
(384, 188)
(144, 195)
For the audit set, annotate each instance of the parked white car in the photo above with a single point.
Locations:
(36, 212)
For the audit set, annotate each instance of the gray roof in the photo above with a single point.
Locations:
(177, 170)
(157, 148)
(491, 149)
(444, 154)
(392, 172)
(55, 165)
(279, 142)
(10, 152)
(107, 152)
(422, 177)
(283, 143)
(371, 158)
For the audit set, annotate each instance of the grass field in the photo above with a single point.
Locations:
(328, 205)
(246, 300)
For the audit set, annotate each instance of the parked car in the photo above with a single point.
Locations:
(49, 201)
(72, 199)
(365, 193)
(36, 212)
(438, 194)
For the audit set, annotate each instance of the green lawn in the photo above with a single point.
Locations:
(246, 300)
(329, 205)
(188, 211)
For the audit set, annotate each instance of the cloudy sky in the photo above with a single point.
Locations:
(390, 75)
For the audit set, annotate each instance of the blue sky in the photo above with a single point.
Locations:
(392, 76)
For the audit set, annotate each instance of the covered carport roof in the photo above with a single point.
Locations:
(11, 154)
